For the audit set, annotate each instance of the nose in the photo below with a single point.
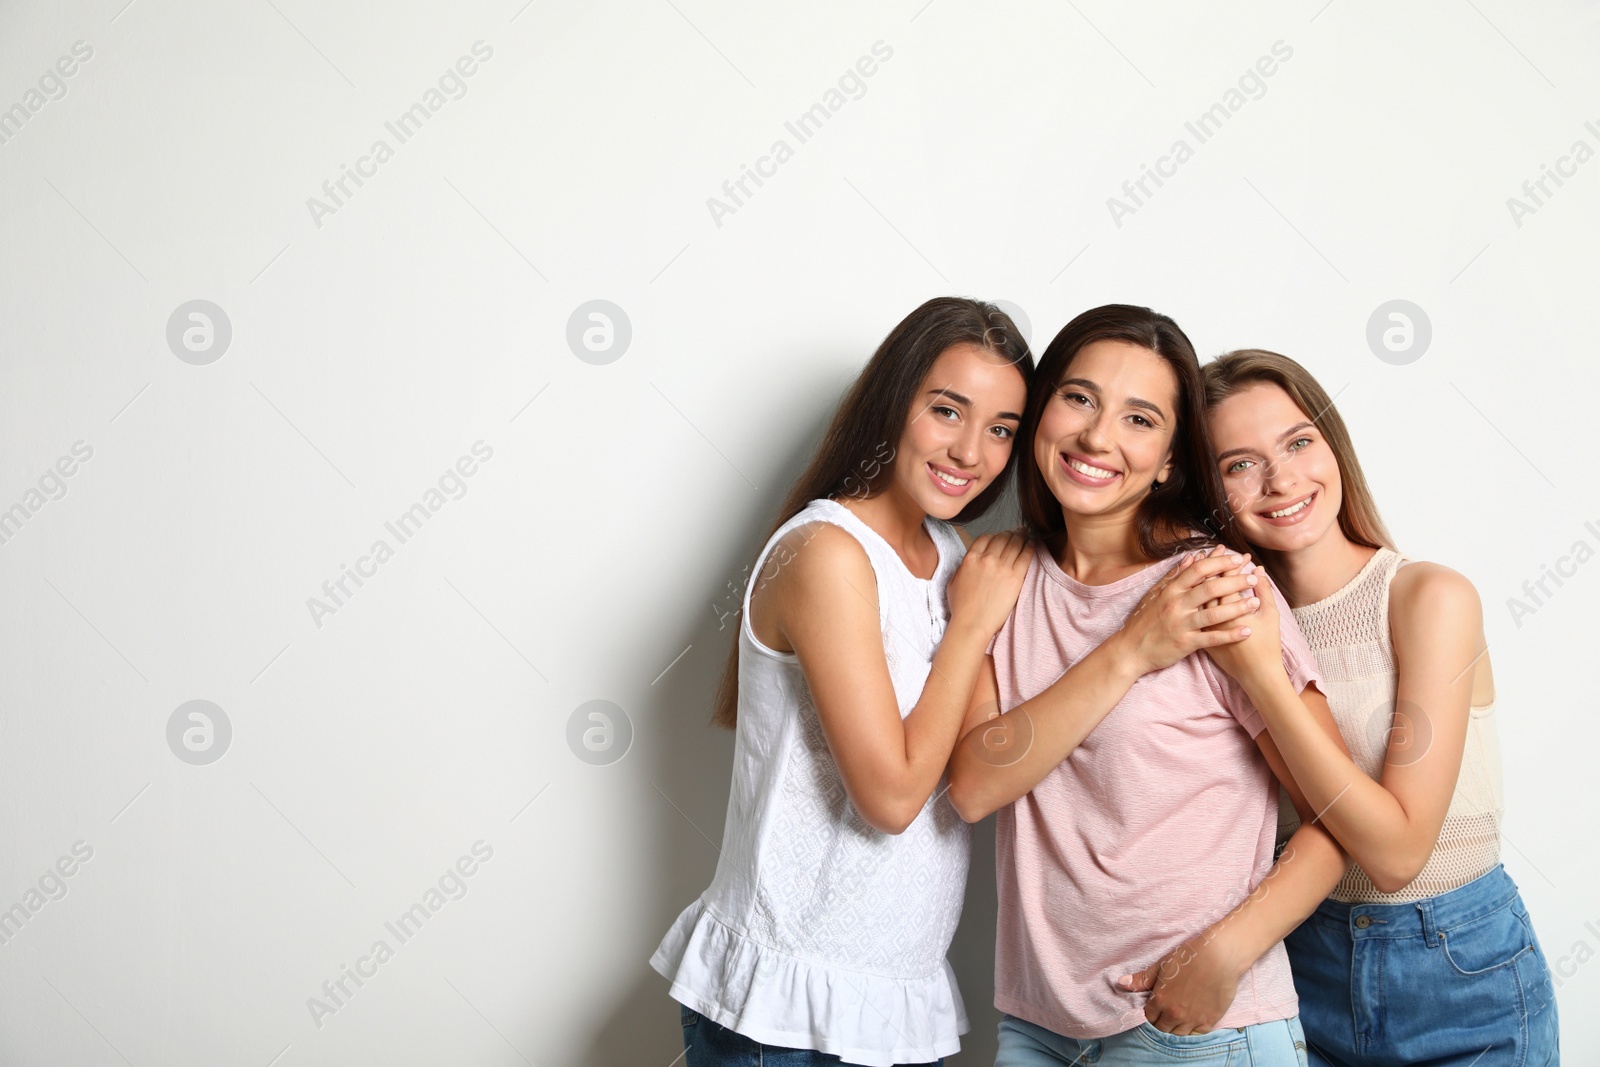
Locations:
(964, 449)
(1094, 439)
(1277, 476)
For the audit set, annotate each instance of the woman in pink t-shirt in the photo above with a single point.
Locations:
(1134, 782)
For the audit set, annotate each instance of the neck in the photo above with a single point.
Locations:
(1306, 575)
(1100, 549)
(897, 519)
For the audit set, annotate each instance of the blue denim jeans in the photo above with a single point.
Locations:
(1274, 1044)
(1455, 979)
(708, 1044)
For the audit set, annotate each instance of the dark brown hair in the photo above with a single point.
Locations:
(1227, 374)
(1191, 498)
(873, 415)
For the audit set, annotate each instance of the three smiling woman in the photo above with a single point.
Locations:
(1116, 683)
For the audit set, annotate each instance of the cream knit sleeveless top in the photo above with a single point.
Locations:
(1349, 633)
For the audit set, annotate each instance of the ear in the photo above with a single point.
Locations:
(1166, 469)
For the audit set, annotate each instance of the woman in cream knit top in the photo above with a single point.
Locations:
(1348, 631)
(1424, 952)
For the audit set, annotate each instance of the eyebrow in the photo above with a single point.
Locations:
(958, 398)
(1290, 432)
(1133, 401)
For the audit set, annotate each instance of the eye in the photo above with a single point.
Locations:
(1237, 466)
(1005, 433)
(1142, 421)
(949, 411)
(1299, 443)
(1073, 398)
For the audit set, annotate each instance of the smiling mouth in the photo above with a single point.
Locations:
(950, 481)
(1290, 511)
(1088, 471)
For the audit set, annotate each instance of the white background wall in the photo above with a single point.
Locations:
(588, 557)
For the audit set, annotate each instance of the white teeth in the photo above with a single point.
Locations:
(1093, 472)
(1286, 512)
(948, 480)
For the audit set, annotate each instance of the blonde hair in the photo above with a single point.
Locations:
(1228, 374)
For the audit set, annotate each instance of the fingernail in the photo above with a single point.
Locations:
(1251, 579)
(1245, 632)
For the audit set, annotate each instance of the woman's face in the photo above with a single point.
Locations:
(1279, 473)
(960, 429)
(1106, 432)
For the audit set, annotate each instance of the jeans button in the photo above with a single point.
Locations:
(1363, 921)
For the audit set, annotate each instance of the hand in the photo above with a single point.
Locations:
(1262, 652)
(1192, 607)
(1192, 987)
(986, 585)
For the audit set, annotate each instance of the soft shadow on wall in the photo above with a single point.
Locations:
(690, 768)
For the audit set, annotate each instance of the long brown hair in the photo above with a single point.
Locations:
(873, 416)
(1191, 498)
(1227, 374)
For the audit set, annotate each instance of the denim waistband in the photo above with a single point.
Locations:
(1482, 896)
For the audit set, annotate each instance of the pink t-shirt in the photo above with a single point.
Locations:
(1156, 826)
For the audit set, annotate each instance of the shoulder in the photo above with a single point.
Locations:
(816, 570)
(826, 585)
(961, 532)
(819, 549)
(1430, 594)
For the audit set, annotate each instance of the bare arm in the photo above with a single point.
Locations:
(824, 604)
(1390, 826)
(1001, 757)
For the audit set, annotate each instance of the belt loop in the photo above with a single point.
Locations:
(1430, 930)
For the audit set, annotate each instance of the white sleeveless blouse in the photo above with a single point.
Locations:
(1349, 633)
(818, 931)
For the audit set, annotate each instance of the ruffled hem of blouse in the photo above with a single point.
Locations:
(778, 999)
